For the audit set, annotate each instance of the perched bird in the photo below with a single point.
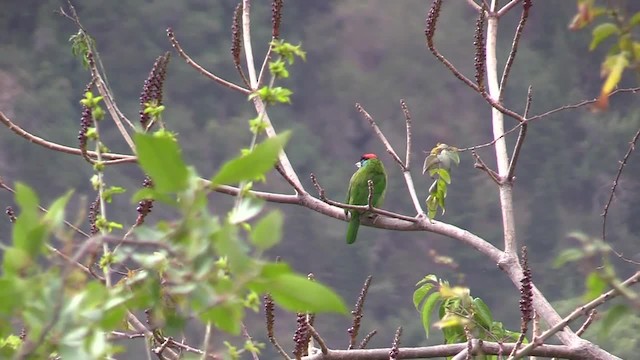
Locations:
(369, 168)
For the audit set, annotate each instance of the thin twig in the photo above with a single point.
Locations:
(407, 118)
(482, 166)
(205, 342)
(545, 114)
(381, 136)
(298, 187)
(115, 158)
(367, 338)
(263, 68)
(588, 322)
(358, 313)
(319, 339)
(623, 163)
(514, 50)
(200, 69)
(507, 7)
(245, 332)
(474, 5)
(520, 141)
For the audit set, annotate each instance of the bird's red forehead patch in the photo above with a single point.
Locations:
(369, 156)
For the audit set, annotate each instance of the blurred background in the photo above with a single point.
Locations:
(374, 53)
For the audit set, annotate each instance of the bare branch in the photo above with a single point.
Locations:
(407, 118)
(115, 158)
(520, 141)
(545, 114)
(112, 107)
(357, 314)
(514, 48)
(440, 351)
(323, 346)
(588, 322)
(381, 136)
(365, 341)
(248, 49)
(474, 5)
(394, 352)
(362, 208)
(297, 186)
(430, 30)
(623, 163)
(263, 68)
(176, 45)
(505, 9)
(576, 314)
(482, 166)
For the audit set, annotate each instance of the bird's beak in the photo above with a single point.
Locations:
(358, 164)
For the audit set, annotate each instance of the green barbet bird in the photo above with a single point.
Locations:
(369, 168)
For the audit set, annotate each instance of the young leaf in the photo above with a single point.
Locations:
(268, 231)
(420, 294)
(159, 156)
(227, 317)
(427, 310)
(247, 209)
(613, 315)
(254, 164)
(297, 293)
(601, 32)
(482, 314)
(595, 285)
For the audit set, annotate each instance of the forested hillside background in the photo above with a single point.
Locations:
(371, 52)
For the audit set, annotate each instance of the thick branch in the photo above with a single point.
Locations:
(439, 351)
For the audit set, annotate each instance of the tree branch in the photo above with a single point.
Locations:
(582, 310)
(200, 69)
(623, 163)
(115, 158)
(439, 351)
(518, 147)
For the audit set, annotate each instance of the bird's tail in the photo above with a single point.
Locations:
(352, 229)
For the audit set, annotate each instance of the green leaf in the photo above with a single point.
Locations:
(16, 261)
(246, 210)
(153, 194)
(595, 285)
(429, 162)
(254, 164)
(420, 294)
(268, 231)
(569, 255)
(227, 243)
(601, 32)
(482, 314)
(427, 310)
(615, 65)
(428, 278)
(635, 19)
(30, 231)
(227, 317)
(54, 218)
(272, 270)
(613, 315)
(298, 294)
(159, 156)
(444, 175)
(454, 156)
